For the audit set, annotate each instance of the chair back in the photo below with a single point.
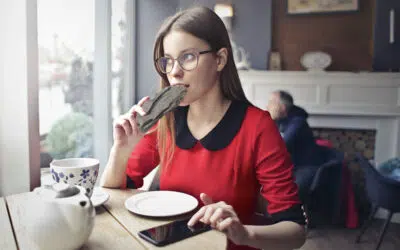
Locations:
(381, 190)
(330, 170)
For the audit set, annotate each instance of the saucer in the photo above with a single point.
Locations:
(99, 197)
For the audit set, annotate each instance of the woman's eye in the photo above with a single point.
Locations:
(188, 56)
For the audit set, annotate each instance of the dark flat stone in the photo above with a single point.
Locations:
(164, 102)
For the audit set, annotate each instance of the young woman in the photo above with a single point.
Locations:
(216, 146)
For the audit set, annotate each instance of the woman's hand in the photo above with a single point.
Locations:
(125, 130)
(221, 217)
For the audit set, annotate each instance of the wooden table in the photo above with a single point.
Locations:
(115, 227)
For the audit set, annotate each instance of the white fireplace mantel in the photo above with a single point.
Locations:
(338, 100)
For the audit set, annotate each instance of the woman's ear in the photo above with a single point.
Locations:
(222, 58)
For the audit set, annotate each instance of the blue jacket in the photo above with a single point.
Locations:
(299, 138)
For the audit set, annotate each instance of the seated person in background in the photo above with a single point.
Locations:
(298, 136)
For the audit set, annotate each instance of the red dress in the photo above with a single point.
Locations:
(241, 155)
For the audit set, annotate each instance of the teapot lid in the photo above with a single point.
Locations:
(58, 190)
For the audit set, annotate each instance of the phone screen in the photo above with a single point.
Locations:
(172, 232)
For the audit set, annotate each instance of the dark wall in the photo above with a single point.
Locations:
(251, 30)
(347, 37)
(251, 26)
(149, 16)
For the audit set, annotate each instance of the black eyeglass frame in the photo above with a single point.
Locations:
(196, 52)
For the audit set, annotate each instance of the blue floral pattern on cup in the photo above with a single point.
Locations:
(86, 178)
(85, 173)
(55, 176)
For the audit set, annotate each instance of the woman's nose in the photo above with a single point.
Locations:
(176, 69)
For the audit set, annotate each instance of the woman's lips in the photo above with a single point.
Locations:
(185, 85)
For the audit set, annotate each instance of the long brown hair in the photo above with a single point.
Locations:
(204, 24)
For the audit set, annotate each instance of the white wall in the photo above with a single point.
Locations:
(18, 82)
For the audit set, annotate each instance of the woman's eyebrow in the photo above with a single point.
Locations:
(180, 52)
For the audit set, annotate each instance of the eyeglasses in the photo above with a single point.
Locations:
(188, 61)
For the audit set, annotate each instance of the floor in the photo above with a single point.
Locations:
(343, 239)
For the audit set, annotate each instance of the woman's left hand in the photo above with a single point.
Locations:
(221, 217)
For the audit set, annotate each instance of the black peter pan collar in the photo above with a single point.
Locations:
(219, 137)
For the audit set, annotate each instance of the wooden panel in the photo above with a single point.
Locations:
(7, 238)
(340, 93)
(107, 232)
(305, 93)
(347, 37)
(363, 95)
(209, 240)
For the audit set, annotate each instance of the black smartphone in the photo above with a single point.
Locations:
(172, 232)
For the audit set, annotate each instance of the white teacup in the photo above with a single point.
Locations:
(76, 171)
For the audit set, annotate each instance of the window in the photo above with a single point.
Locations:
(118, 44)
(66, 45)
(122, 43)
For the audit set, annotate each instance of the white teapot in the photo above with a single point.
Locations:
(62, 217)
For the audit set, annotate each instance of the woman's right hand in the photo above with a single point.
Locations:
(125, 130)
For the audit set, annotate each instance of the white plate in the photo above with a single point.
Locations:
(161, 203)
(99, 197)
